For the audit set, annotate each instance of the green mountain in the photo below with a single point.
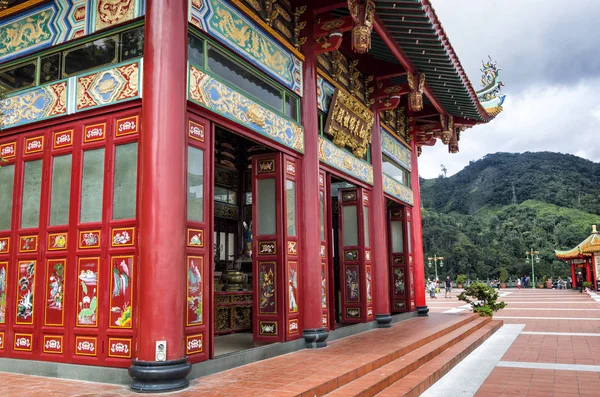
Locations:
(488, 215)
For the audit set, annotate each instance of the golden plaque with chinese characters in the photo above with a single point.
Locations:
(349, 122)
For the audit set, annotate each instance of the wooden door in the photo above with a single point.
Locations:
(398, 260)
(267, 249)
(199, 330)
(355, 265)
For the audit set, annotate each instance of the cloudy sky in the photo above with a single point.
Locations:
(549, 53)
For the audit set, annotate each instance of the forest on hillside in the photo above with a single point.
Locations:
(488, 215)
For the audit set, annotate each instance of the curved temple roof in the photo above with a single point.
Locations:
(416, 28)
(587, 247)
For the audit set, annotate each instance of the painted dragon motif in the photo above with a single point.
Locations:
(111, 12)
(25, 33)
(490, 95)
(242, 35)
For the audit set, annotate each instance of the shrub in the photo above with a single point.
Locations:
(483, 299)
(587, 284)
(503, 275)
(461, 278)
(484, 311)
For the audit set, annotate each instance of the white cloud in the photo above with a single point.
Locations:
(562, 119)
(547, 50)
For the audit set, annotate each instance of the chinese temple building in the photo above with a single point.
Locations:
(584, 259)
(178, 175)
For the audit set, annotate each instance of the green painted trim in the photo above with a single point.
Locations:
(345, 171)
(21, 92)
(243, 63)
(242, 92)
(74, 43)
(251, 98)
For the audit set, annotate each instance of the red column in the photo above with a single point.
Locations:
(594, 273)
(587, 270)
(379, 235)
(417, 226)
(313, 331)
(160, 291)
(573, 282)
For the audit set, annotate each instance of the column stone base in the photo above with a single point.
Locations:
(383, 320)
(159, 376)
(422, 311)
(315, 337)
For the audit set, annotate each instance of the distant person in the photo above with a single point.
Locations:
(431, 287)
(523, 281)
(569, 282)
(448, 287)
(580, 282)
(518, 283)
(527, 281)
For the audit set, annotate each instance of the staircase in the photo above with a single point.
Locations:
(414, 368)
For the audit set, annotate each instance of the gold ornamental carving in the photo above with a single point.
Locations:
(272, 13)
(256, 115)
(361, 32)
(298, 26)
(416, 83)
(350, 123)
(447, 129)
(112, 12)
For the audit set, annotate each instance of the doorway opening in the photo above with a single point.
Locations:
(336, 186)
(233, 269)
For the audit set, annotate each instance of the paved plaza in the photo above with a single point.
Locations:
(557, 353)
(549, 345)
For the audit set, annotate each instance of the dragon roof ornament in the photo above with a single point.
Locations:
(490, 96)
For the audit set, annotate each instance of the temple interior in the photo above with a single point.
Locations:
(233, 273)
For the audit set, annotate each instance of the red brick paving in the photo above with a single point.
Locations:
(310, 372)
(560, 349)
(540, 383)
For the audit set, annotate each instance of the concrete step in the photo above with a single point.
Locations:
(379, 378)
(423, 377)
(317, 386)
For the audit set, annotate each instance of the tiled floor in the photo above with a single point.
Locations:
(286, 375)
(348, 358)
(560, 349)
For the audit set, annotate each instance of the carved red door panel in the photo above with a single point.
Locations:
(326, 263)
(409, 240)
(355, 286)
(270, 280)
(398, 260)
(9, 177)
(199, 252)
(292, 247)
(57, 258)
(27, 273)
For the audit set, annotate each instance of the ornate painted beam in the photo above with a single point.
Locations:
(324, 28)
(388, 90)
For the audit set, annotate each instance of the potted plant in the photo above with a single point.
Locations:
(460, 280)
(542, 282)
(503, 277)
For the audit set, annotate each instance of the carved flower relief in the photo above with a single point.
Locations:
(256, 115)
